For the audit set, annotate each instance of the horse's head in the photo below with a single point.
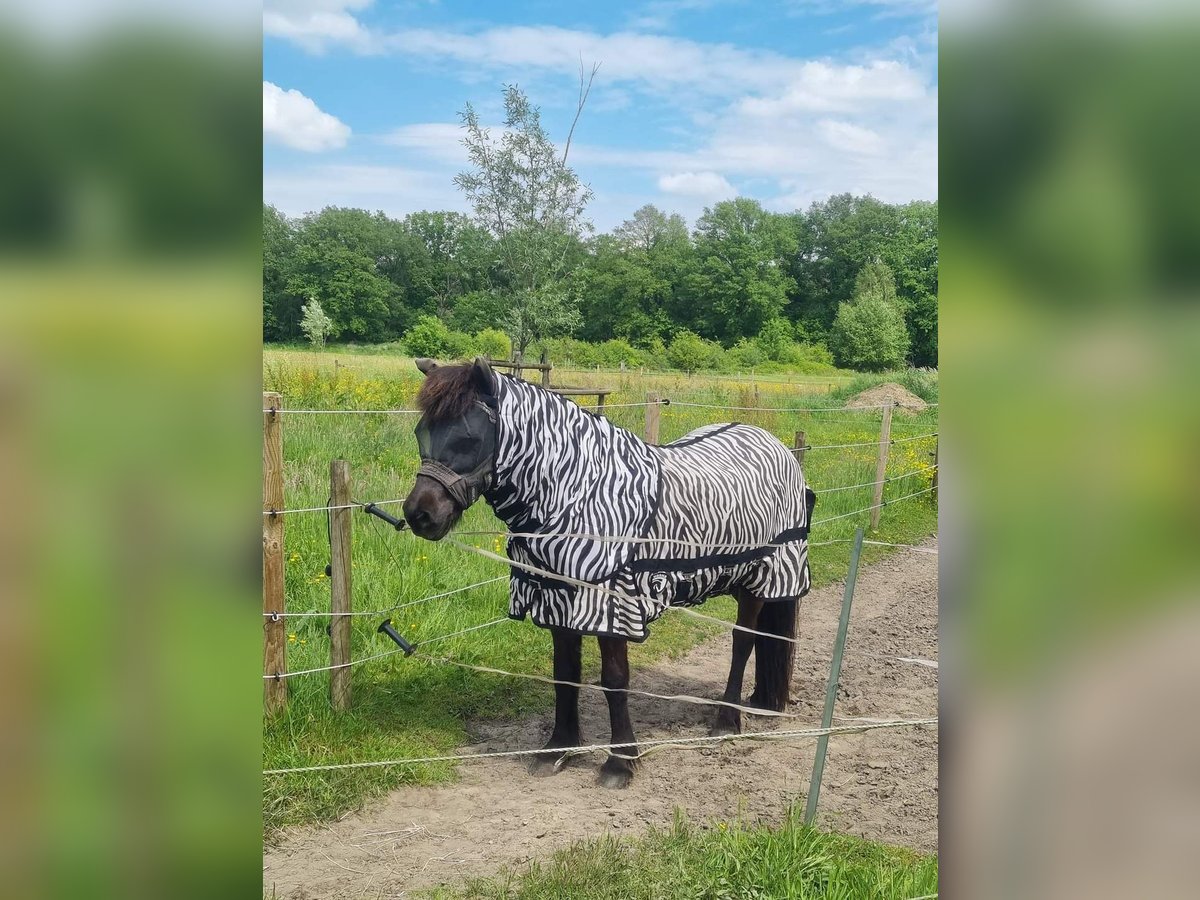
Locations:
(457, 440)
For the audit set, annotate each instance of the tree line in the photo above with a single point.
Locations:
(744, 273)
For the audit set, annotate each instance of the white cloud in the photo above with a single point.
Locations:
(790, 129)
(824, 87)
(435, 138)
(657, 63)
(395, 190)
(316, 25)
(850, 138)
(703, 185)
(291, 119)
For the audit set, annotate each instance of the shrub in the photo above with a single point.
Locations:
(869, 334)
(494, 343)
(461, 346)
(316, 324)
(775, 338)
(614, 352)
(746, 354)
(431, 337)
(689, 352)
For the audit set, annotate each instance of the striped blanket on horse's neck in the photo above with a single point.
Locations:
(562, 469)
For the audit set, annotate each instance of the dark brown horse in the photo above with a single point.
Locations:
(483, 434)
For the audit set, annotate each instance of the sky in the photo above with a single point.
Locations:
(695, 101)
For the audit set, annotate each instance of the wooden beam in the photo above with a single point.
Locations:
(340, 544)
(274, 624)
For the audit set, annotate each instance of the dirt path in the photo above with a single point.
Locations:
(880, 784)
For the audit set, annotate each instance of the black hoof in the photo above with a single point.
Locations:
(545, 764)
(554, 756)
(725, 726)
(616, 774)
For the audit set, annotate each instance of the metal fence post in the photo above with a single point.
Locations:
(835, 673)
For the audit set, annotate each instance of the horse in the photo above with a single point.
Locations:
(723, 510)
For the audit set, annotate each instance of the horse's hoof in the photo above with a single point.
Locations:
(616, 779)
(722, 727)
(551, 763)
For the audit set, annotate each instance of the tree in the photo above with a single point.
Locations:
(622, 294)
(453, 256)
(876, 280)
(739, 283)
(838, 236)
(316, 324)
(527, 197)
(650, 228)
(336, 261)
(281, 309)
(868, 332)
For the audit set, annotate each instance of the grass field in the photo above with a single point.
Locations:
(407, 708)
(725, 860)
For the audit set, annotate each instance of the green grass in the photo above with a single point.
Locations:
(720, 861)
(405, 708)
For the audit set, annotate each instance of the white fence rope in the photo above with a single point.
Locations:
(566, 579)
(831, 490)
(391, 609)
(873, 506)
(650, 744)
(851, 487)
(416, 412)
(799, 409)
(592, 686)
(346, 412)
(278, 676)
(679, 542)
(903, 440)
(284, 512)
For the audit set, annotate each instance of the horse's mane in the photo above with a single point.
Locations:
(447, 393)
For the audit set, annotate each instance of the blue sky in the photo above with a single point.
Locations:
(786, 101)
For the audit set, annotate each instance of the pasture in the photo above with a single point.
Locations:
(409, 708)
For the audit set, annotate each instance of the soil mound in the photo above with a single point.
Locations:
(881, 393)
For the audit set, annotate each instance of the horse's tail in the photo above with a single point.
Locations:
(773, 658)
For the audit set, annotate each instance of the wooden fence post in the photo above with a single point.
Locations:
(518, 358)
(274, 624)
(653, 410)
(835, 673)
(545, 369)
(339, 584)
(885, 441)
(801, 446)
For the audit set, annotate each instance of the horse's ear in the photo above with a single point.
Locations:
(482, 377)
(426, 365)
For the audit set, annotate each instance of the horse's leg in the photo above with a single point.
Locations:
(617, 770)
(567, 667)
(729, 721)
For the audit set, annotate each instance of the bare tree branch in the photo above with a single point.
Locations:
(584, 90)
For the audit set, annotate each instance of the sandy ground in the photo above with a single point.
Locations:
(880, 784)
